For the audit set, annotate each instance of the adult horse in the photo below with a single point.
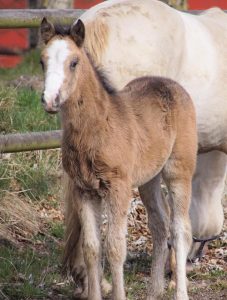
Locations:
(132, 38)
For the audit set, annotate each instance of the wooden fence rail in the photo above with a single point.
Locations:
(20, 142)
(28, 18)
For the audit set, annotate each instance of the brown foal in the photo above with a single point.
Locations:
(113, 141)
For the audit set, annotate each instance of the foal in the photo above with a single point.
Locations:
(113, 141)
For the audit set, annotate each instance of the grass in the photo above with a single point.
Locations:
(32, 274)
(33, 174)
(20, 108)
(212, 275)
(21, 111)
(57, 230)
(29, 66)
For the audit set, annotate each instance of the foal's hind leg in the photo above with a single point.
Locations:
(159, 225)
(117, 208)
(178, 179)
(73, 258)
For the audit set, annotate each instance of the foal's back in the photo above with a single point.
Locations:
(164, 121)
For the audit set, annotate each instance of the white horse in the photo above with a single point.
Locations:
(133, 38)
(150, 38)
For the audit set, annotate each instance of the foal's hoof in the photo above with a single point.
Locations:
(106, 287)
(172, 285)
(79, 294)
(81, 291)
(79, 275)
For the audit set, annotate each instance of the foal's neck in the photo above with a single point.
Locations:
(85, 113)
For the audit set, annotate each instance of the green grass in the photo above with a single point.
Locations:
(32, 274)
(21, 111)
(29, 66)
(211, 275)
(35, 173)
(20, 107)
(57, 230)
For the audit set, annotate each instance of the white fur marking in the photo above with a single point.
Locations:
(57, 54)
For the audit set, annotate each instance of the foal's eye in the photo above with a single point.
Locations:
(73, 64)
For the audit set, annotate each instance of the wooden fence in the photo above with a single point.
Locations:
(28, 18)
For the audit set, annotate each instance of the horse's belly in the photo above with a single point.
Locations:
(202, 75)
(206, 202)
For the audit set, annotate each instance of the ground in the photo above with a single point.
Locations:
(31, 214)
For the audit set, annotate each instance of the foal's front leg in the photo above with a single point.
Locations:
(90, 215)
(117, 208)
(73, 258)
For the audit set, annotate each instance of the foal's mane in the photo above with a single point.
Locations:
(64, 30)
(102, 77)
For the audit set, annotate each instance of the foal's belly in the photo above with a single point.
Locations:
(150, 164)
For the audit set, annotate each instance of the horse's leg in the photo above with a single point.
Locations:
(207, 190)
(178, 176)
(158, 220)
(89, 211)
(117, 208)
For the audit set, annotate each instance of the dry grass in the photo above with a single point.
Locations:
(19, 220)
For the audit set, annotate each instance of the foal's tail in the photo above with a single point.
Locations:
(72, 228)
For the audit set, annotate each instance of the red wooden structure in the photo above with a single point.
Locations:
(204, 4)
(85, 3)
(13, 41)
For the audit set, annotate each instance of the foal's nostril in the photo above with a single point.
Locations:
(42, 99)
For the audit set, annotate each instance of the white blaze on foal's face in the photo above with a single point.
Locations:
(56, 56)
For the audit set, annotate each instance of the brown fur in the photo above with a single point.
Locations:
(113, 141)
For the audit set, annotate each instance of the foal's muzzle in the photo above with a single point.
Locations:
(52, 107)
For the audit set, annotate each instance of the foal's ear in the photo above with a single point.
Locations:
(47, 30)
(77, 32)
